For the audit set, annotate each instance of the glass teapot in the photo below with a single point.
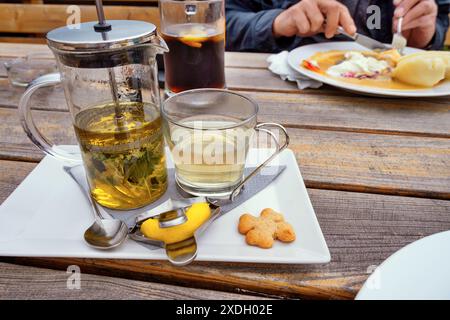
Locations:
(109, 76)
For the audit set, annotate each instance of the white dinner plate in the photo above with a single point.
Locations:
(47, 215)
(421, 270)
(299, 54)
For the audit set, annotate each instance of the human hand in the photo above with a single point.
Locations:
(310, 17)
(419, 20)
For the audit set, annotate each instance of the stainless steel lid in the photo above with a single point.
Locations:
(123, 33)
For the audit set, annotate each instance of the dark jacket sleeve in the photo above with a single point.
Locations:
(441, 25)
(249, 27)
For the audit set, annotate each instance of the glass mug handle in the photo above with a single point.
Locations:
(263, 128)
(29, 126)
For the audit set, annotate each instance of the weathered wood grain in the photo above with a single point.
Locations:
(342, 142)
(376, 163)
(246, 60)
(33, 1)
(244, 79)
(26, 39)
(361, 231)
(387, 164)
(144, 2)
(50, 98)
(41, 18)
(30, 283)
(232, 59)
(12, 173)
(13, 50)
(258, 80)
(427, 117)
(240, 72)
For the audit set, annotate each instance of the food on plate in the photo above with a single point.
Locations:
(385, 69)
(196, 215)
(423, 68)
(263, 230)
(357, 65)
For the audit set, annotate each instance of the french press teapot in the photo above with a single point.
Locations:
(108, 71)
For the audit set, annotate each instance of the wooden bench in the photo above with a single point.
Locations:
(447, 39)
(30, 22)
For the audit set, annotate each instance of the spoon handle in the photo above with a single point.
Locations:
(183, 252)
(98, 216)
(97, 212)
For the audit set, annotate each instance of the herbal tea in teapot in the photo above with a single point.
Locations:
(121, 142)
(123, 155)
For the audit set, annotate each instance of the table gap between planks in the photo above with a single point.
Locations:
(377, 171)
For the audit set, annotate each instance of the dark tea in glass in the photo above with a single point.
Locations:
(195, 58)
(195, 34)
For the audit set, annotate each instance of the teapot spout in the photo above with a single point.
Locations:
(159, 44)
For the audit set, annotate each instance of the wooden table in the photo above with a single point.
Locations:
(377, 171)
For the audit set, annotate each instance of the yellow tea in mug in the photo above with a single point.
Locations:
(210, 158)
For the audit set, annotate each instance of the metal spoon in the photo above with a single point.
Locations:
(103, 233)
(182, 253)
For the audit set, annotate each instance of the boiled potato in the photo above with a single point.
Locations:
(423, 68)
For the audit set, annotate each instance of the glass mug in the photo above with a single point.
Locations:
(195, 34)
(209, 132)
(112, 92)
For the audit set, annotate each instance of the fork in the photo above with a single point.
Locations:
(398, 40)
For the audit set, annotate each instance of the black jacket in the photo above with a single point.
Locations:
(249, 24)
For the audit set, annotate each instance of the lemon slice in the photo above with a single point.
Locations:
(194, 40)
(194, 37)
(196, 215)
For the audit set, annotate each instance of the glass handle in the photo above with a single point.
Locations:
(263, 128)
(29, 126)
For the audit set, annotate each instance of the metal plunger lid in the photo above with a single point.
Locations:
(102, 35)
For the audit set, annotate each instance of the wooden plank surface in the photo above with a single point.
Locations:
(244, 79)
(13, 50)
(356, 154)
(41, 18)
(12, 173)
(426, 117)
(30, 283)
(25, 39)
(145, 2)
(232, 59)
(307, 111)
(378, 163)
(447, 39)
(361, 231)
(246, 60)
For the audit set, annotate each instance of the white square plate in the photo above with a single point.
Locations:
(47, 215)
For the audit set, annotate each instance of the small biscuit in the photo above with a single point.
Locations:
(246, 223)
(285, 232)
(263, 230)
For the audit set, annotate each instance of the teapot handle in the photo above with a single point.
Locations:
(29, 126)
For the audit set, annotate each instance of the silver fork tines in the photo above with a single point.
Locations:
(398, 40)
